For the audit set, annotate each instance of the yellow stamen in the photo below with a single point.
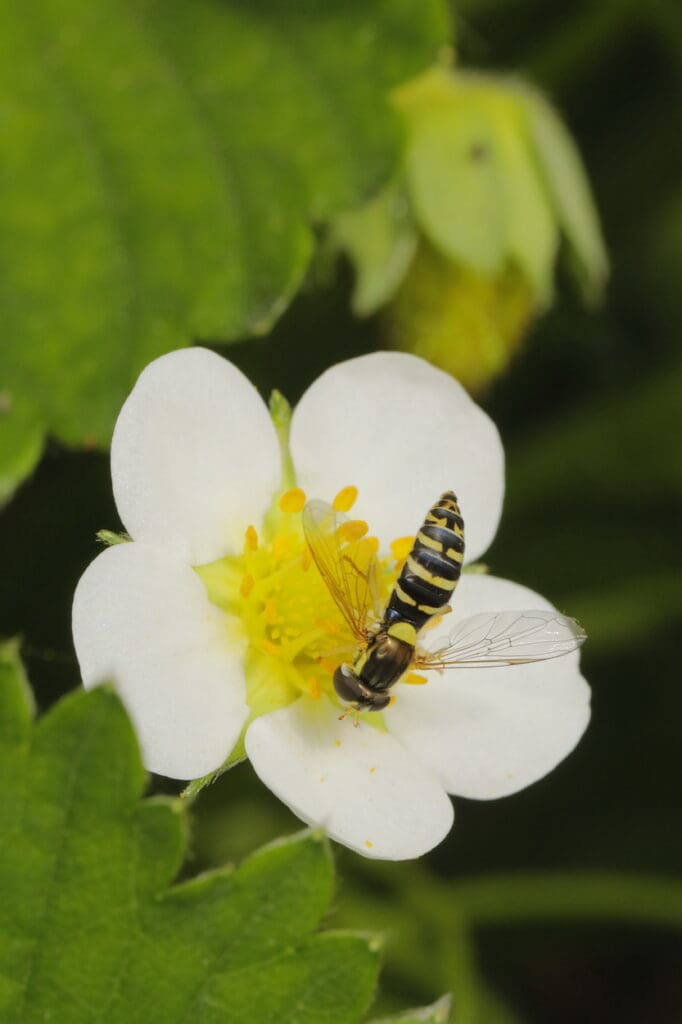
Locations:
(282, 608)
(281, 546)
(327, 626)
(367, 548)
(415, 679)
(369, 844)
(345, 499)
(271, 611)
(352, 530)
(401, 548)
(293, 500)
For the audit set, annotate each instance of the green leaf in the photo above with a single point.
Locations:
(437, 1013)
(21, 440)
(90, 930)
(161, 164)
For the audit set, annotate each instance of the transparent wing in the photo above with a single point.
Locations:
(492, 639)
(346, 559)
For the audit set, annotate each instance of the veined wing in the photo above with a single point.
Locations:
(346, 559)
(491, 639)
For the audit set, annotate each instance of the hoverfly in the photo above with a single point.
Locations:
(388, 637)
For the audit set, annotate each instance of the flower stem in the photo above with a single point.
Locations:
(575, 895)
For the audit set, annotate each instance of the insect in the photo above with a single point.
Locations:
(387, 637)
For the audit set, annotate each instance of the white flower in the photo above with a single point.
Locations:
(215, 627)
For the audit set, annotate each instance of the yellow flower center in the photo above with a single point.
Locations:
(281, 610)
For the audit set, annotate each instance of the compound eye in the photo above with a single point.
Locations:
(347, 684)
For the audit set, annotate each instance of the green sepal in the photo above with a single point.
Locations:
(195, 786)
(280, 410)
(472, 177)
(568, 189)
(110, 538)
(17, 706)
(491, 179)
(380, 239)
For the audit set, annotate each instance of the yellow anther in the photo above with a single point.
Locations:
(337, 743)
(369, 844)
(290, 616)
(372, 771)
(345, 499)
(293, 500)
(352, 530)
(415, 679)
(401, 548)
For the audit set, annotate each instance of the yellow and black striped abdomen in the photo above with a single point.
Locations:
(432, 568)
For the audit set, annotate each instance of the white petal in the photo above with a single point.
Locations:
(490, 732)
(194, 458)
(141, 619)
(403, 432)
(357, 783)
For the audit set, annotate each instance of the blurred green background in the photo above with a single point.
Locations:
(591, 414)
